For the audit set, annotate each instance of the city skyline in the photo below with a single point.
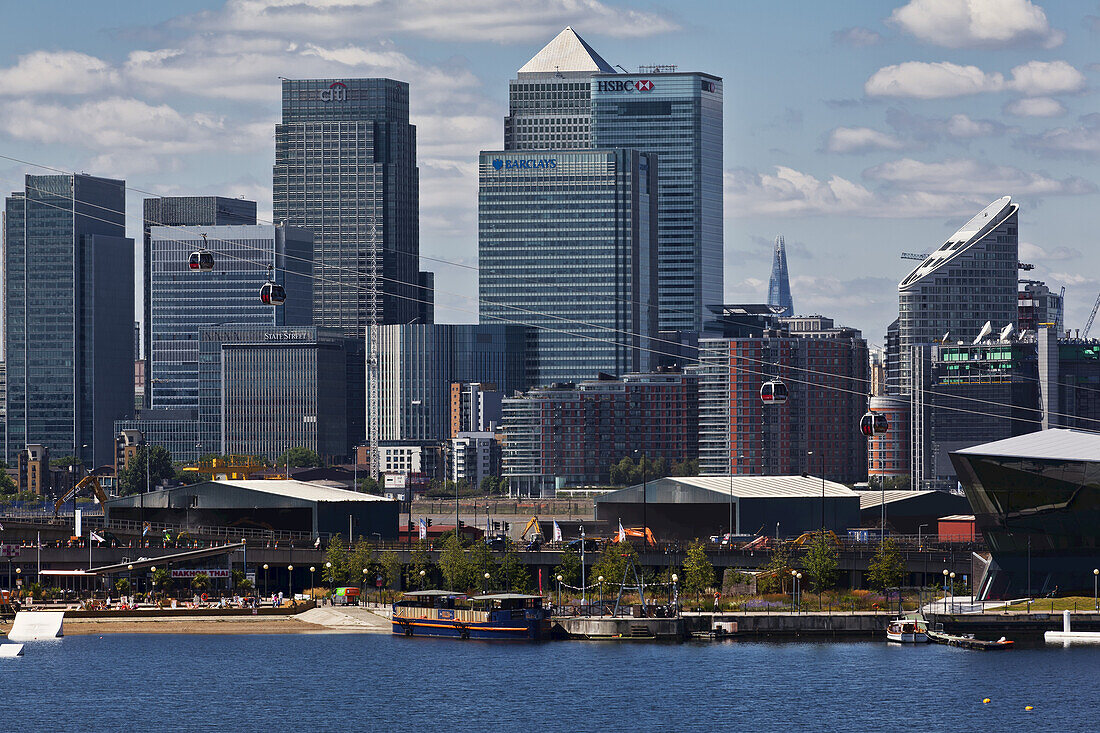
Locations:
(859, 136)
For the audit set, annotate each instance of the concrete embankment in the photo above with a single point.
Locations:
(870, 624)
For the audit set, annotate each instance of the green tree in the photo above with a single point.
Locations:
(390, 565)
(361, 558)
(200, 582)
(821, 563)
(299, 457)
(162, 580)
(689, 467)
(132, 479)
(122, 585)
(481, 560)
(336, 561)
(455, 565)
(66, 461)
(513, 573)
(370, 485)
(7, 486)
(613, 561)
(627, 472)
(698, 571)
(886, 569)
(419, 561)
(569, 567)
(776, 572)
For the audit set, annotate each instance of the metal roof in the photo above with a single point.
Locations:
(567, 52)
(958, 518)
(505, 597)
(1058, 444)
(301, 490)
(693, 488)
(872, 498)
(432, 593)
(970, 233)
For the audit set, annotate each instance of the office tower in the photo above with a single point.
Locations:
(426, 299)
(1037, 307)
(550, 100)
(183, 211)
(969, 280)
(566, 246)
(69, 287)
(419, 363)
(571, 434)
(779, 285)
(345, 169)
(892, 358)
(678, 116)
(818, 363)
(184, 301)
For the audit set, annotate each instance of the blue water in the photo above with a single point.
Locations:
(375, 682)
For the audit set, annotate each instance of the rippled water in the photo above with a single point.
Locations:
(378, 682)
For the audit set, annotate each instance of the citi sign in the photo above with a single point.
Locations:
(513, 163)
(628, 85)
(336, 92)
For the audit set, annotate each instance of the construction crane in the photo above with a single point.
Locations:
(914, 256)
(87, 481)
(229, 467)
(1092, 317)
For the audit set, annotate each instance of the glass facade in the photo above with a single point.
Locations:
(678, 116)
(183, 302)
(779, 285)
(565, 244)
(69, 314)
(345, 169)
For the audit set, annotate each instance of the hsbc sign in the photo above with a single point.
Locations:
(627, 85)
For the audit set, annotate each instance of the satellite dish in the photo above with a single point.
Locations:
(1006, 332)
(986, 330)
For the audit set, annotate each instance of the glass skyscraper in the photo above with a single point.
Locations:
(678, 116)
(345, 169)
(69, 274)
(566, 245)
(779, 285)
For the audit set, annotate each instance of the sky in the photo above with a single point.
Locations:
(858, 130)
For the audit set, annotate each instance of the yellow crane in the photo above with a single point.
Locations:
(87, 481)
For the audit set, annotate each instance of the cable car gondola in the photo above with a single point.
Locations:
(773, 392)
(873, 423)
(272, 293)
(201, 260)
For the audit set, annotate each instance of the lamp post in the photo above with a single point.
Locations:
(559, 593)
(794, 589)
(328, 571)
(675, 590)
(362, 587)
(422, 580)
(312, 568)
(945, 571)
(1095, 601)
(798, 590)
(290, 581)
(153, 571)
(600, 580)
(582, 567)
(265, 578)
(486, 583)
(952, 576)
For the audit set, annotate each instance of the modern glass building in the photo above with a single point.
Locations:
(184, 211)
(177, 430)
(678, 116)
(419, 363)
(779, 285)
(183, 302)
(550, 100)
(566, 245)
(69, 310)
(345, 169)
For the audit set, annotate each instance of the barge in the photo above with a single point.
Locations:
(493, 617)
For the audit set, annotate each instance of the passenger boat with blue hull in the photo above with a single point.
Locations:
(493, 617)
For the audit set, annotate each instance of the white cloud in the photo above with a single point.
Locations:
(977, 23)
(497, 21)
(1080, 139)
(56, 72)
(940, 79)
(1035, 107)
(962, 126)
(1035, 254)
(920, 80)
(969, 176)
(856, 36)
(957, 127)
(854, 140)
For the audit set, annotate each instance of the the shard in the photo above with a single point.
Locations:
(779, 287)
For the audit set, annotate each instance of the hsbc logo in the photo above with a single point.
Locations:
(336, 92)
(628, 85)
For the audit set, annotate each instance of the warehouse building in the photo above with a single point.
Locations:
(686, 508)
(908, 511)
(280, 505)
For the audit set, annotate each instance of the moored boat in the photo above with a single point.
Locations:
(498, 616)
(906, 631)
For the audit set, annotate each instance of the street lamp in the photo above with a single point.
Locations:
(311, 570)
(675, 593)
(362, 586)
(1095, 602)
(794, 589)
(421, 580)
(559, 592)
(945, 573)
(798, 593)
(290, 581)
(265, 578)
(600, 580)
(153, 571)
(486, 583)
(130, 579)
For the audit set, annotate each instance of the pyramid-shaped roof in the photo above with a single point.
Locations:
(567, 52)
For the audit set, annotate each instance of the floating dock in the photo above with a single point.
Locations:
(968, 642)
(1067, 635)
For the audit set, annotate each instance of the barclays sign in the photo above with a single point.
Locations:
(525, 163)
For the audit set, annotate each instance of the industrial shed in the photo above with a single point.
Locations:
(295, 506)
(907, 510)
(685, 508)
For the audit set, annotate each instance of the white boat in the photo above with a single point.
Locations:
(906, 631)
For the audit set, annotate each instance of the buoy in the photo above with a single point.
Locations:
(1028, 707)
(986, 701)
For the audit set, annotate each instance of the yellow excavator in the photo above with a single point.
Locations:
(808, 536)
(87, 481)
(532, 523)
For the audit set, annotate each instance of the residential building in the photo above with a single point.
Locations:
(183, 211)
(419, 363)
(1038, 307)
(822, 370)
(69, 307)
(473, 456)
(571, 434)
(475, 407)
(888, 453)
(892, 357)
(677, 116)
(779, 285)
(550, 100)
(565, 245)
(345, 170)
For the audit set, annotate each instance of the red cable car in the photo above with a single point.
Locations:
(272, 294)
(201, 260)
(873, 423)
(773, 392)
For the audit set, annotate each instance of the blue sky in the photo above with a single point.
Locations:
(858, 130)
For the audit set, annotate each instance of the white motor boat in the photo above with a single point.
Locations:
(906, 631)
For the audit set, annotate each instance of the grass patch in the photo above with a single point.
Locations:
(1056, 605)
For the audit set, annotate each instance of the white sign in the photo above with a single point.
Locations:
(209, 572)
(10, 550)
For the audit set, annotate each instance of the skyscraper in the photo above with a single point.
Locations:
(345, 169)
(183, 211)
(678, 116)
(69, 306)
(550, 100)
(566, 244)
(779, 286)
